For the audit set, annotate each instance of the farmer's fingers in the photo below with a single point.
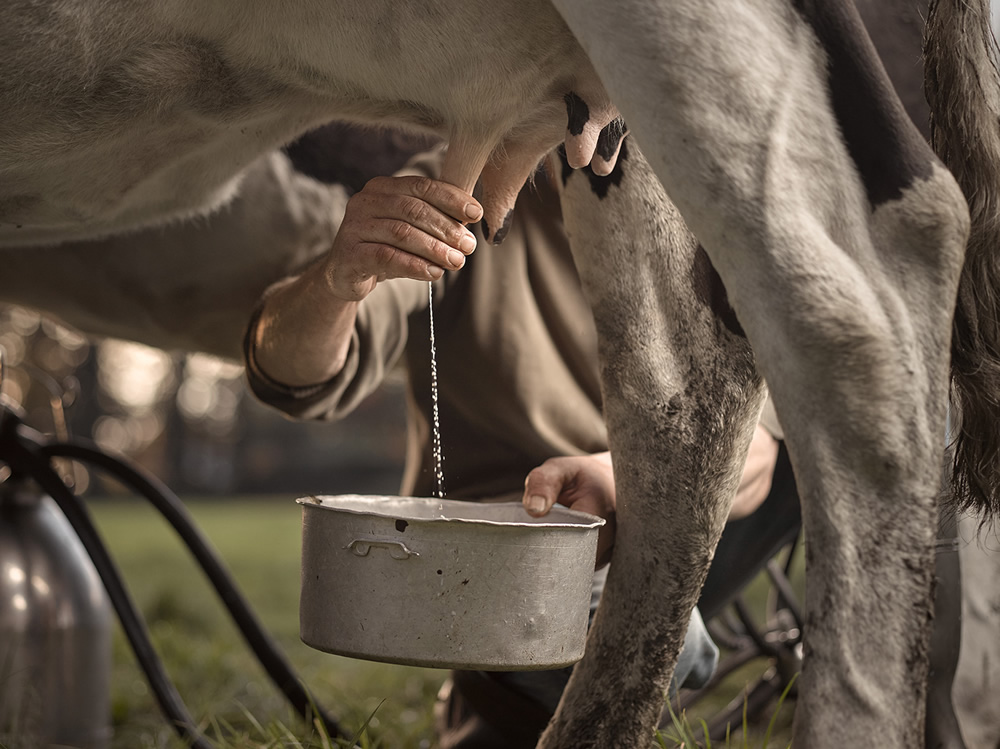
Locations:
(544, 485)
(410, 240)
(384, 261)
(369, 217)
(447, 198)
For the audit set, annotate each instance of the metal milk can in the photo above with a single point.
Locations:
(55, 629)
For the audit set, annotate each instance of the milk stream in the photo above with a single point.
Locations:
(436, 426)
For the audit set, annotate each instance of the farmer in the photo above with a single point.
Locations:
(519, 400)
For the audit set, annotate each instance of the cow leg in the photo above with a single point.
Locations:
(839, 239)
(681, 397)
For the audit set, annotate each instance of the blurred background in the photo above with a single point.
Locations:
(190, 419)
(238, 466)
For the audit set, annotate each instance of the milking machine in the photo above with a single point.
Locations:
(59, 586)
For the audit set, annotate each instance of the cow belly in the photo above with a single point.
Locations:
(146, 171)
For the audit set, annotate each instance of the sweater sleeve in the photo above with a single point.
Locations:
(377, 343)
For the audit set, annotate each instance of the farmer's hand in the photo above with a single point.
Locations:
(400, 227)
(409, 227)
(757, 474)
(585, 483)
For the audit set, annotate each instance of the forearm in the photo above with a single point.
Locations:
(304, 331)
(402, 227)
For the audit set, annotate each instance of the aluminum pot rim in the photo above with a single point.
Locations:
(572, 519)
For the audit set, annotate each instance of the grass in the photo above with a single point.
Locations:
(219, 679)
(684, 733)
(217, 676)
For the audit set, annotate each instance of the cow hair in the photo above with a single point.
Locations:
(963, 90)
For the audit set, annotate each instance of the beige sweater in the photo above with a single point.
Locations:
(516, 358)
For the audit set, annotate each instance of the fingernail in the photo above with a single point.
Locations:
(435, 272)
(467, 243)
(456, 258)
(473, 211)
(535, 503)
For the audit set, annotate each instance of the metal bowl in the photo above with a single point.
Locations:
(443, 583)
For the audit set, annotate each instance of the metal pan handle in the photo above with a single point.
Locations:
(397, 549)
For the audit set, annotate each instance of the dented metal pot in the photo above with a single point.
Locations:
(443, 583)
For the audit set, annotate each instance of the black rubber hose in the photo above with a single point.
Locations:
(24, 458)
(175, 513)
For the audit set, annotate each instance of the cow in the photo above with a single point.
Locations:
(830, 252)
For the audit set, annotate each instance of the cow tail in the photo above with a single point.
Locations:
(962, 85)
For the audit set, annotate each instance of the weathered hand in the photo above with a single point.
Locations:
(585, 483)
(400, 227)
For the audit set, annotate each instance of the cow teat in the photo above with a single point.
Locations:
(593, 134)
(503, 163)
(609, 145)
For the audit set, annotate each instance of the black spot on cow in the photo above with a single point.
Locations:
(485, 227)
(710, 291)
(599, 185)
(888, 150)
(401, 525)
(610, 137)
(501, 234)
(350, 155)
(577, 113)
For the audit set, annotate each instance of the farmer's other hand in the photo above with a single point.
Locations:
(400, 227)
(758, 472)
(585, 483)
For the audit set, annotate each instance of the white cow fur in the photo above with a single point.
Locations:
(119, 116)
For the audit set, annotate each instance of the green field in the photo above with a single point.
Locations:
(215, 673)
